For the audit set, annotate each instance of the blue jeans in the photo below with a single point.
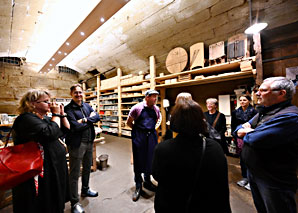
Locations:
(269, 198)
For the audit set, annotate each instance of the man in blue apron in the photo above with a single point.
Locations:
(142, 119)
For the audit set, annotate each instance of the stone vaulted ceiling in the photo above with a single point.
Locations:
(35, 29)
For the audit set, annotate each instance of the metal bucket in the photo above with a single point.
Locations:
(103, 161)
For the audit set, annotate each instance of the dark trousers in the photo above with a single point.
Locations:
(78, 156)
(243, 168)
(139, 179)
(271, 199)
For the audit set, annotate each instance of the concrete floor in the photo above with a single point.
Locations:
(115, 185)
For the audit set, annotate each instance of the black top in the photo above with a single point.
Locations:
(220, 124)
(240, 117)
(174, 167)
(80, 131)
(53, 189)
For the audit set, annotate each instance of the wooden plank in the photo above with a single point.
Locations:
(152, 71)
(228, 66)
(119, 74)
(259, 63)
(197, 55)
(210, 79)
(176, 60)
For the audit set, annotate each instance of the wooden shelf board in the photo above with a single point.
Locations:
(136, 96)
(109, 121)
(130, 103)
(126, 128)
(108, 104)
(91, 96)
(103, 99)
(6, 125)
(210, 79)
(135, 83)
(88, 92)
(228, 66)
(108, 109)
(137, 89)
(107, 90)
(107, 93)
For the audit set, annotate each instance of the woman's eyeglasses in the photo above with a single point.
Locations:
(46, 102)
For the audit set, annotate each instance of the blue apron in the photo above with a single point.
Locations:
(144, 139)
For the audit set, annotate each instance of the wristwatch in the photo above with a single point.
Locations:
(64, 115)
(58, 115)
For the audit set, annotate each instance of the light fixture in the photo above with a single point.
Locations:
(82, 33)
(53, 59)
(65, 53)
(67, 43)
(102, 19)
(256, 27)
(59, 52)
(51, 65)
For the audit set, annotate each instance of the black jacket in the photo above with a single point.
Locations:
(174, 166)
(74, 113)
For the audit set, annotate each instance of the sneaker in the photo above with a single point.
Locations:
(242, 182)
(247, 186)
(77, 208)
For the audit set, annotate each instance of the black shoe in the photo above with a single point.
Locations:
(136, 195)
(89, 193)
(77, 208)
(150, 186)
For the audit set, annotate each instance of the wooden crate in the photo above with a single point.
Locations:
(220, 60)
(184, 77)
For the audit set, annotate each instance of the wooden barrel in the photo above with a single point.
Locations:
(176, 60)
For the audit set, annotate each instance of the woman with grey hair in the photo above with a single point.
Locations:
(49, 191)
(217, 120)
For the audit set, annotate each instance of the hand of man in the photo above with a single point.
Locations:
(92, 114)
(246, 128)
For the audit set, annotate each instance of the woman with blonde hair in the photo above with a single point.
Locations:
(48, 192)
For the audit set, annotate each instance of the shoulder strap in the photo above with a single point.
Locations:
(216, 119)
(197, 174)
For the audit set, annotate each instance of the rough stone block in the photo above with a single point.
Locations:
(41, 83)
(19, 81)
(19, 92)
(232, 26)
(6, 92)
(224, 6)
(3, 78)
(61, 84)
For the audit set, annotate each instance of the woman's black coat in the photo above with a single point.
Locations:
(175, 164)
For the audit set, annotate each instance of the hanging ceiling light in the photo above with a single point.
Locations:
(256, 27)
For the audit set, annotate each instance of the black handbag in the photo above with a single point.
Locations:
(213, 133)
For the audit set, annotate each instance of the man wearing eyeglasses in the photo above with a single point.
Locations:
(271, 147)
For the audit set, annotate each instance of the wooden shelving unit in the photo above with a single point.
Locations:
(130, 93)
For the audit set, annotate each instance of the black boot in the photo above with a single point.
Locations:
(136, 195)
(150, 186)
(88, 193)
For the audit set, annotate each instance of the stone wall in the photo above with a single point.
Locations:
(15, 81)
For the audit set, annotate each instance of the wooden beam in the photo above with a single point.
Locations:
(259, 63)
